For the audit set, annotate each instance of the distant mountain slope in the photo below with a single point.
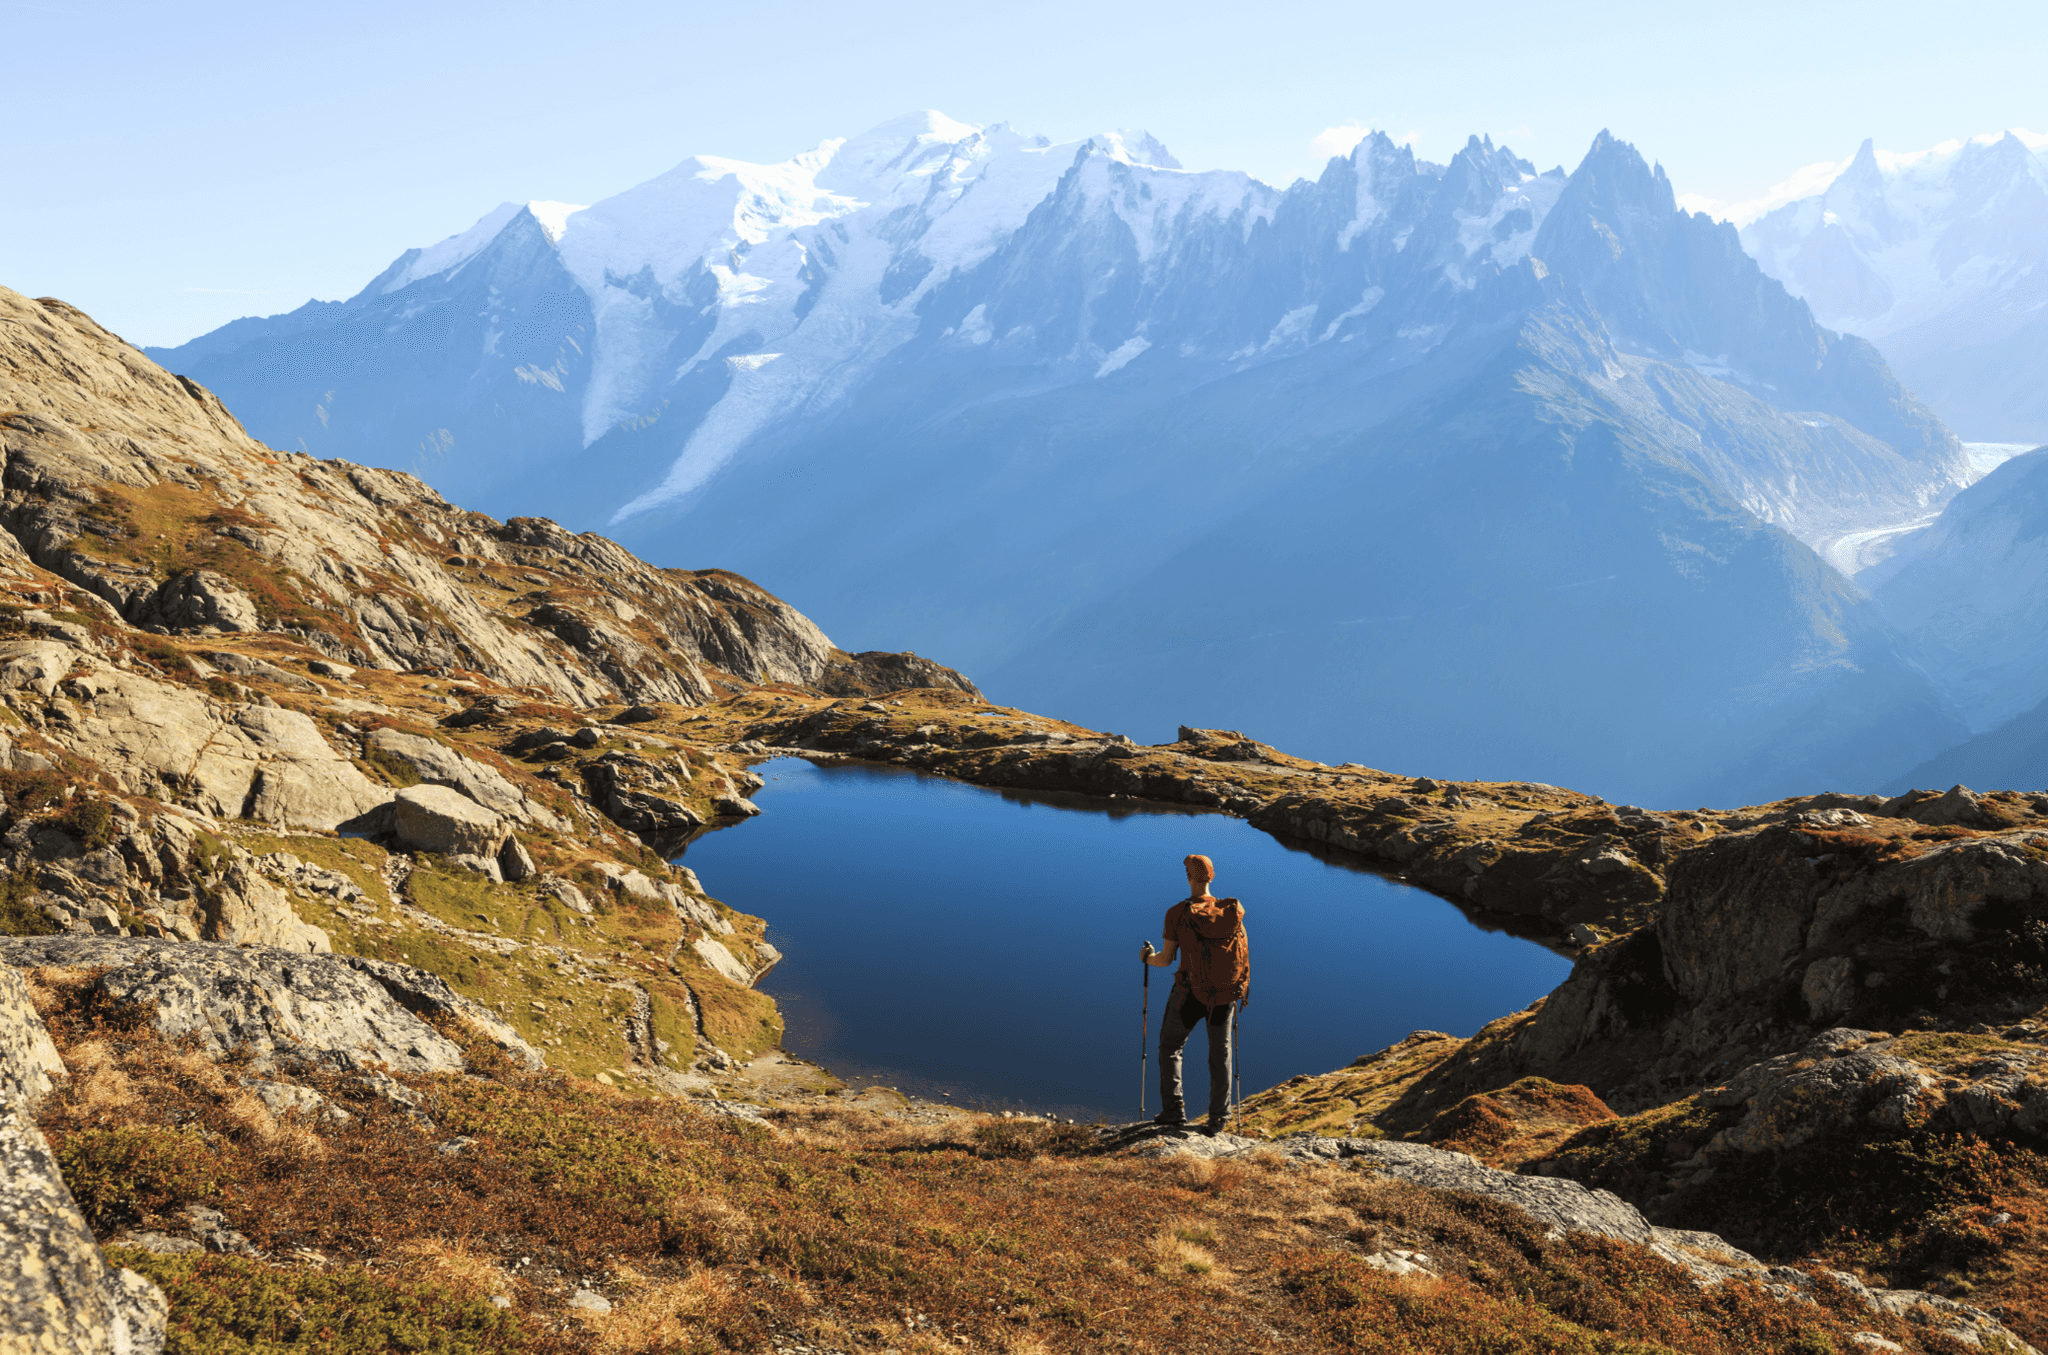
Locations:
(2014, 756)
(1471, 456)
(1970, 593)
(1941, 259)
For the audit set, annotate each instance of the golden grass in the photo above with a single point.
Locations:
(658, 1314)
(456, 1266)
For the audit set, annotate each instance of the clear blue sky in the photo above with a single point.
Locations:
(169, 167)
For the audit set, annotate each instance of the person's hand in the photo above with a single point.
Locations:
(1245, 1001)
(1147, 953)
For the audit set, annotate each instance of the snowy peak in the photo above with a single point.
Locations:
(550, 218)
(1922, 224)
(1940, 257)
(688, 318)
(1141, 148)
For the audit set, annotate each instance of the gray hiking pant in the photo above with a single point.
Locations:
(1183, 1014)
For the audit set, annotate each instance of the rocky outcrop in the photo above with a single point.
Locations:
(57, 1293)
(227, 759)
(141, 489)
(279, 1008)
(102, 867)
(875, 672)
(1565, 1206)
(436, 764)
(449, 823)
(643, 796)
(1768, 934)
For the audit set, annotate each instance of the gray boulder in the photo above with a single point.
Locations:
(515, 863)
(247, 909)
(438, 819)
(280, 1007)
(430, 994)
(437, 764)
(1564, 1206)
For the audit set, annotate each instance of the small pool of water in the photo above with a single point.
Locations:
(982, 945)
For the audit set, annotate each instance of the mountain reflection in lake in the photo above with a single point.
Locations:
(951, 939)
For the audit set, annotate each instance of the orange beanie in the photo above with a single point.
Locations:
(1201, 868)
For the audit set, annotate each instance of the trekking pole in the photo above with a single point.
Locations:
(1236, 1067)
(1144, 1030)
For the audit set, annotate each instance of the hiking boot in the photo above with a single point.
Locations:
(1170, 1119)
(1213, 1126)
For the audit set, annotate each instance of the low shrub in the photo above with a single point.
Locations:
(229, 1305)
(18, 916)
(121, 1173)
(90, 821)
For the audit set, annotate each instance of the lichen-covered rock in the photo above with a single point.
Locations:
(29, 1063)
(1565, 1206)
(430, 994)
(1834, 1083)
(57, 1294)
(280, 1007)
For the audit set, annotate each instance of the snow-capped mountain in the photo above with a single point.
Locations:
(1463, 466)
(1941, 259)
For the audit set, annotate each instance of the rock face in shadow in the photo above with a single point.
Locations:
(1762, 928)
(57, 1292)
(1769, 936)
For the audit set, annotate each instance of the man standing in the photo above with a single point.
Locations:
(1207, 935)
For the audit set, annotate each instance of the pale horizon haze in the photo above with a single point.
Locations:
(170, 169)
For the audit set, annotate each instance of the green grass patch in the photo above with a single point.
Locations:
(738, 1020)
(671, 1016)
(361, 861)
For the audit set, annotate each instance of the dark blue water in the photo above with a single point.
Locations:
(954, 940)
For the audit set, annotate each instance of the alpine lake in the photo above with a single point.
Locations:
(980, 947)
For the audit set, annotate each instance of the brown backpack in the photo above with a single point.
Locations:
(1219, 964)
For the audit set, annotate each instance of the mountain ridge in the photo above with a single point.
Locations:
(1051, 367)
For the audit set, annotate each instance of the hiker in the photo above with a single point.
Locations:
(1207, 934)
